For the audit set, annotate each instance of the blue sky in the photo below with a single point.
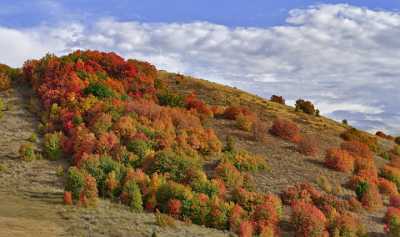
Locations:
(343, 56)
(259, 13)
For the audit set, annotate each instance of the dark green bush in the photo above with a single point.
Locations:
(27, 152)
(361, 189)
(205, 186)
(132, 196)
(172, 190)
(177, 165)
(305, 106)
(75, 182)
(52, 145)
(172, 100)
(397, 140)
(140, 147)
(278, 99)
(99, 90)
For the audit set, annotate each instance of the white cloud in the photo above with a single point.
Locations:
(328, 108)
(344, 58)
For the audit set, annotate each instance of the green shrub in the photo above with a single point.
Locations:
(196, 209)
(244, 161)
(60, 171)
(202, 184)
(230, 174)
(172, 190)
(177, 165)
(33, 138)
(172, 100)
(75, 182)
(52, 145)
(99, 90)
(140, 148)
(361, 189)
(132, 196)
(108, 165)
(218, 217)
(99, 168)
(27, 152)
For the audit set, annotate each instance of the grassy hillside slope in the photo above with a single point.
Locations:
(153, 132)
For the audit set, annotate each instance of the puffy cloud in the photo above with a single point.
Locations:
(344, 58)
(19, 45)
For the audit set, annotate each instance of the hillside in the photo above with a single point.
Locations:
(94, 145)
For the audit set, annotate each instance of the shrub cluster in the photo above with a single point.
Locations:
(170, 99)
(133, 144)
(6, 75)
(318, 214)
(357, 149)
(308, 220)
(384, 136)
(286, 129)
(5, 82)
(391, 173)
(52, 145)
(397, 140)
(353, 134)
(340, 160)
(305, 106)
(245, 122)
(233, 112)
(194, 103)
(27, 152)
(392, 222)
(278, 99)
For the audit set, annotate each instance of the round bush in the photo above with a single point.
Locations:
(286, 129)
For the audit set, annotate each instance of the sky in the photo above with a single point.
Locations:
(343, 56)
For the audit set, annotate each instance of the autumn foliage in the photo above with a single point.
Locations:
(132, 143)
(339, 160)
(150, 149)
(5, 82)
(233, 112)
(308, 220)
(286, 129)
(353, 134)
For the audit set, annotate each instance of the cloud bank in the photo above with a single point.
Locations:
(344, 58)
